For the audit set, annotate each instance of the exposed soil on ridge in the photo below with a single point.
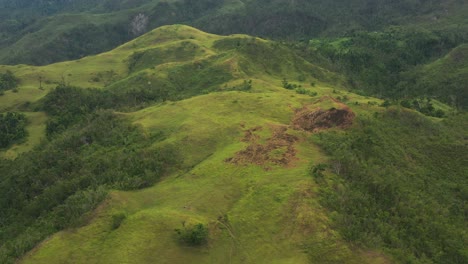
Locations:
(317, 119)
(279, 148)
(276, 150)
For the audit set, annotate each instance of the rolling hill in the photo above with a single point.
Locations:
(183, 146)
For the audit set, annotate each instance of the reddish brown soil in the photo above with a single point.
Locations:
(249, 134)
(317, 119)
(278, 149)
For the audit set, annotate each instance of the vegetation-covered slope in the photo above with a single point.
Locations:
(42, 32)
(44, 201)
(401, 185)
(389, 64)
(446, 78)
(254, 213)
(250, 152)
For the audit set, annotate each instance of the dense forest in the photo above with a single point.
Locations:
(381, 166)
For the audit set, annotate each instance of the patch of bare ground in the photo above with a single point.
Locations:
(279, 148)
(276, 150)
(317, 119)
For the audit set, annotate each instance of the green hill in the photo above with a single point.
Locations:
(182, 146)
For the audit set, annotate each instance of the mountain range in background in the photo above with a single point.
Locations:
(42, 32)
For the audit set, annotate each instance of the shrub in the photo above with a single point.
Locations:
(193, 236)
(307, 92)
(380, 198)
(117, 220)
(301, 91)
(246, 85)
(386, 103)
(287, 85)
(317, 171)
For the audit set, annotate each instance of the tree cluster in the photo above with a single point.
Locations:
(8, 81)
(194, 235)
(12, 128)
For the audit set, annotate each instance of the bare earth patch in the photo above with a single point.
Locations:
(279, 148)
(276, 150)
(317, 119)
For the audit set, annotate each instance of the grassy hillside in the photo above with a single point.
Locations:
(151, 69)
(250, 152)
(169, 63)
(255, 213)
(154, 61)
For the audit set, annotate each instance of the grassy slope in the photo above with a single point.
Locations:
(273, 216)
(79, 73)
(110, 69)
(108, 66)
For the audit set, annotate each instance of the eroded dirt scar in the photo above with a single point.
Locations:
(279, 148)
(275, 150)
(318, 119)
